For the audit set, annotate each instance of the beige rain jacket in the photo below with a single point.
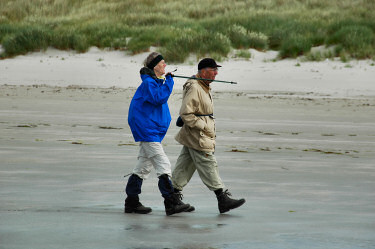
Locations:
(198, 132)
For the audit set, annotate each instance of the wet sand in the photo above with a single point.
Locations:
(303, 161)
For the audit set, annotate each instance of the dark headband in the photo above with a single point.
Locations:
(155, 61)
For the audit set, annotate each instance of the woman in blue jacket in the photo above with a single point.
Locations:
(149, 119)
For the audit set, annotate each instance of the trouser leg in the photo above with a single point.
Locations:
(151, 154)
(184, 169)
(207, 168)
(144, 164)
(155, 153)
(206, 165)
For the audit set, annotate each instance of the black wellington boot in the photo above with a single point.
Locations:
(225, 203)
(132, 205)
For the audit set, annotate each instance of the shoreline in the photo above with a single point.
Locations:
(36, 91)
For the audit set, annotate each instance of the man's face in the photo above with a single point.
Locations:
(209, 73)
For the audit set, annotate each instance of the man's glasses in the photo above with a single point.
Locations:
(213, 69)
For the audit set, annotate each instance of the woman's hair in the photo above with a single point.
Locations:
(150, 58)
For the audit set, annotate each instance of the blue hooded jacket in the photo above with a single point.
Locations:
(149, 116)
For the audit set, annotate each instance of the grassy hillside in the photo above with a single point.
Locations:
(178, 28)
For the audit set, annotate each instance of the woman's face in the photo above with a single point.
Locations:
(159, 69)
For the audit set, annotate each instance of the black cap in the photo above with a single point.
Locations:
(207, 62)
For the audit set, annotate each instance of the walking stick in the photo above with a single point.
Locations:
(193, 77)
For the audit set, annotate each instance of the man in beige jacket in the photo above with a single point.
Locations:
(197, 136)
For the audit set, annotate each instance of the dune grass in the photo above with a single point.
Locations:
(181, 28)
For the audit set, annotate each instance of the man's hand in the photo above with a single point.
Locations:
(209, 132)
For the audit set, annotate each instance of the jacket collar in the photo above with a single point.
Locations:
(148, 71)
(203, 84)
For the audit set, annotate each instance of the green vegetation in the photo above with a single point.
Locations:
(180, 28)
(243, 54)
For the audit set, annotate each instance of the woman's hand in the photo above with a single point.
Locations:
(170, 74)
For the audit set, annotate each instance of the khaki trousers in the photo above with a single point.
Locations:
(205, 163)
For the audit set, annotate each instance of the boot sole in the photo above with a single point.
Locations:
(174, 211)
(233, 207)
(190, 209)
(137, 211)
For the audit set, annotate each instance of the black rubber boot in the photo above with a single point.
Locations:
(132, 205)
(226, 203)
(172, 203)
(180, 197)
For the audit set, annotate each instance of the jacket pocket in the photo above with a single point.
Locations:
(206, 142)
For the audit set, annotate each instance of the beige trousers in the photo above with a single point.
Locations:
(191, 160)
(152, 155)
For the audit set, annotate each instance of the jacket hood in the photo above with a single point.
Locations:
(148, 71)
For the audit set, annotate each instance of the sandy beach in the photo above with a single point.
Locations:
(295, 139)
(100, 68)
